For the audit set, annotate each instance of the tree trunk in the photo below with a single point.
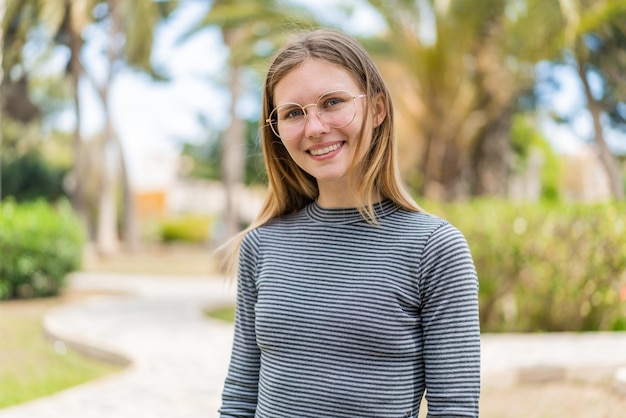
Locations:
(107, 241)
(129, 222)
(2, 13)
(608, 160)
(77, 189)
(489, 163)
(232, 163)
(233, 146)
(114, 159)
(106, 234)
(443, 168)
(129, 225)
(433, 187)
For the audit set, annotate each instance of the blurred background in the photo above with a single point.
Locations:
(143, 111)
(129, 129)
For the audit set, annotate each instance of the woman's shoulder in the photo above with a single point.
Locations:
(417, 219)
(278, 224)
(426, 225)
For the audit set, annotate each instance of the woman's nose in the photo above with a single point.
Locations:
(314, 125)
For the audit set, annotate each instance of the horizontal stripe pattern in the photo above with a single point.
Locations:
(340, 318)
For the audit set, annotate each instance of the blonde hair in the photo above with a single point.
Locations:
(373, 171)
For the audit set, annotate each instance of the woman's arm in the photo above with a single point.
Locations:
(239, 398)
(449, 292)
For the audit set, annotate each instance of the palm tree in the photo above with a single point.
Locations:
(458, 85)
(605, 21)
(65, 19)
(19, 18)
(2, 13)
(133, 22)
(131, 25)
(244, 25)
(76, 20)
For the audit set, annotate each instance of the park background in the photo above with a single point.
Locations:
(130, 139)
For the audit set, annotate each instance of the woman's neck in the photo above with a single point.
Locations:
(339, 197)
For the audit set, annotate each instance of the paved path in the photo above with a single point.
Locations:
(179, 358)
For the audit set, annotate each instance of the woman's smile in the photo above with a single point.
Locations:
(326, 151)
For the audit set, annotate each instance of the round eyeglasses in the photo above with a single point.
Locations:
(336, 109)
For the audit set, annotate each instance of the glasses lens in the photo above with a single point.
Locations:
(336, 108)
(287, 120)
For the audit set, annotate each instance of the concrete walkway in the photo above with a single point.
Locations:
(178, 359)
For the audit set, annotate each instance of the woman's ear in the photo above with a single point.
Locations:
(380, 110)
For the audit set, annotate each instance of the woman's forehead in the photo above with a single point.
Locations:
(312, 78)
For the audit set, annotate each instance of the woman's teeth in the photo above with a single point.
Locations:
(325, 150)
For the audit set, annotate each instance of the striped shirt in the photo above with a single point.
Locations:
(340, 318)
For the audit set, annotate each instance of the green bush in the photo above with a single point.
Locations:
(39, 245)
(187, 228)
(546, 267)
(31, 177)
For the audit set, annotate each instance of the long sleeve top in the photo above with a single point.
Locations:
(337, 317)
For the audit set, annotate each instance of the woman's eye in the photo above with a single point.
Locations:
(332, 102)
(292, 113)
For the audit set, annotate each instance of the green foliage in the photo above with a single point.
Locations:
(525, 137)
(206, 158)
(223, 313)
(40, 245)
(31, 177)
(188, 228)
(18, 138)
(545, 267)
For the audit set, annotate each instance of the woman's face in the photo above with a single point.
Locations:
(321, 150)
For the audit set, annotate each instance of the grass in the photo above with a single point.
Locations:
(32, 366)
(223, 313)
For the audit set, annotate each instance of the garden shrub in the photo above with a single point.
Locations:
(39, 245)
(31, 177)
(545, 267)
(187, 229)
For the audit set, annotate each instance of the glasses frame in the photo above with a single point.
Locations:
(306, 113)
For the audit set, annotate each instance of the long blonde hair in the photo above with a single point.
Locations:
(373, 172)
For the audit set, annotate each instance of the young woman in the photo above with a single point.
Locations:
(352, 302)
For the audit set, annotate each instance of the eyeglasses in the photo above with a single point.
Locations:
(336, 109)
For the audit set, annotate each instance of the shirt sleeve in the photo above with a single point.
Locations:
(239, 397)
(451, 329)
